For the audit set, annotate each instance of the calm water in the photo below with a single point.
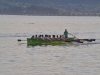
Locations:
(76, 59)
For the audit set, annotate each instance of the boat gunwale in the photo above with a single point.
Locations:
(32, 41)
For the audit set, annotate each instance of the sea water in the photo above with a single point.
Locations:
(16, 58)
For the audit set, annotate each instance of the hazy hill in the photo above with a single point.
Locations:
(50, 7)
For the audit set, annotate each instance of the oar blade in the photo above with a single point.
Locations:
(93, 39)
(89, 40)
(19, 40)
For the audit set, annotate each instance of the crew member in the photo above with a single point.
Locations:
(66, 33)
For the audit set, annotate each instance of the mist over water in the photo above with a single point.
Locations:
(16, 58)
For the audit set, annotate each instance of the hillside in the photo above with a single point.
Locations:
(50, 7)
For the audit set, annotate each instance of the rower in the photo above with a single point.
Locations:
(36, 37)
(49, 36)
(62, 37)
(46, 37)
(41, 37)
(57, 38)
(32, 37)
(53, 37)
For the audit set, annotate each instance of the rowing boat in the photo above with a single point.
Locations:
(31, 41)
(34, 41)
(38, 41)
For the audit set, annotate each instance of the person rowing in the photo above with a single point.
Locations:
(53, 37)
(63, 38)
(46, 37)
(41, 37)
(36, 36)
(58, 38)
(32, 37)
(49, 36)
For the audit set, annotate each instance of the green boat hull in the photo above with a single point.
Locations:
(34, 42)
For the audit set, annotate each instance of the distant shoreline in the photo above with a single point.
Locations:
(50, 15)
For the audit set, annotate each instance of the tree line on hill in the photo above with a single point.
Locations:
(51, 7)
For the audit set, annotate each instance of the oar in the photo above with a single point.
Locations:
(21, 40)
(74, 41)
(73, 36)
(77, 39)
(89, 40)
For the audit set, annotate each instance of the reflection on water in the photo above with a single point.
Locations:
(16, 58)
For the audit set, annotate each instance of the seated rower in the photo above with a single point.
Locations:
(57, 38)
(32, 37)
(53, 37)
(62, 37)
(41, 37)
(46, 37)
(36, 37)
(49, 36)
